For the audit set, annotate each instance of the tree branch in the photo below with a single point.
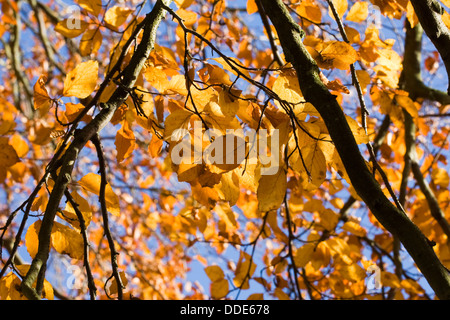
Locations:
(429, 13)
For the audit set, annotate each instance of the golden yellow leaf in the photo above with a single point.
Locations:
(354, 228)
(244, 270)
(271, 190)
(251, 7)
(91, 41)
(411, 15)
(116, 15)
(8, 155)
(408, 104)
(157, 78)
(112, 288)
(8, 287)
(40, 95)
(228, 187)
(389, 279)
(358, 12)
(286, 86)
(315, 163)
(91, 182)
(125, 142)
(81, 81)
(214, 273)
(176, 125)
(341, 7)
(389, 59)
(155, 146)
(364, 79)
(20, 145)
(256, 296)
(71, 27)
(352, 272)
(32, 238)
(232, 66)
(303, 255)
(189, 17)
(280, 294)
(73, 110)
(183, 3)
(340, 53)
(92, 6)
(83, 206)
(440, 177)
(310, 10)
(219, 289)
(65, 240)
(328, 219)
(358, 131)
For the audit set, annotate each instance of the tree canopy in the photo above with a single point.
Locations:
(224, 149)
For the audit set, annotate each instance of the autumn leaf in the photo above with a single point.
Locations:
(91, 183)
(8, 155)
(440, 177)
(340, 53)
(91, 41)
(112, 288)
(83, 206)
(116, 15)
(40, 95)
(251, 7)
(125, 142)
(71, 27)
(271, 190)
(81, 81)
(308, 9)
(341, 7)
(303, 255)
(406, 103)
(358, 12)
(92, 6)
(65, 240)
(214, 273)
(176, 125)
(32, 238)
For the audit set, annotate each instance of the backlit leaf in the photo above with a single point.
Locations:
(81, 81)
(116, 15)
(65, 240)
(340, 53)
(358, 12)
(40, 95)
(271, 190)
(71, 27)
(8, 155)
(214, 273)
(219, 289)
(91, 182)
(32, 238)
(125, 142)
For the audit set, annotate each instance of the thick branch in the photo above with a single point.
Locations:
(362, 179)
(429, 13)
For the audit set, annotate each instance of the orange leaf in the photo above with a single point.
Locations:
(91, 183)
(125, 142)
(251, 7)
(116, 15)
(41, 97)
(81, 81)
(71, 27)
